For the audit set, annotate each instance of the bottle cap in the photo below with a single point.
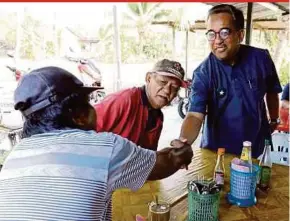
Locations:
(221, 151)
(247, 144)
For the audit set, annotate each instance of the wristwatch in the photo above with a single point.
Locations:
(274, 121)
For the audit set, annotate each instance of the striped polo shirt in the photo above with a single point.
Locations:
(70, 175)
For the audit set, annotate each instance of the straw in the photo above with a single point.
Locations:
(156, 199)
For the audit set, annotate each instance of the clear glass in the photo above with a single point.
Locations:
(265, 166)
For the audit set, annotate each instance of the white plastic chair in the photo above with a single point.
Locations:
(280, 154)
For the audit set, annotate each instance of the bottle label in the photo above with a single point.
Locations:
(245, 154)
(219, 178)
(265, 175)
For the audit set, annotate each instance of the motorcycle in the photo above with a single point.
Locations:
(17, 72)
(87, 69)
(183, 103)
(11, 121)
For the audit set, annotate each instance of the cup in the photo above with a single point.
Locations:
(159, 211)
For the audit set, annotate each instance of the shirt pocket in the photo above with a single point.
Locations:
(254, 88)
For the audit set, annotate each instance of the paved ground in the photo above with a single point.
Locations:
(171, 127)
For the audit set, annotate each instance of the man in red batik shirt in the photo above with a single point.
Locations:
(135, 113)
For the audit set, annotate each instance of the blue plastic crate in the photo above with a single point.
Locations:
(243, 187)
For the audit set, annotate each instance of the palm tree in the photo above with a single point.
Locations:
(105, 35)
(141, 15)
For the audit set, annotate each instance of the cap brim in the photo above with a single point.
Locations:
(88, 90)
(183, 83)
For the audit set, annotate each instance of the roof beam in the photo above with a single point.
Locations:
(281, 7)
(273, 6)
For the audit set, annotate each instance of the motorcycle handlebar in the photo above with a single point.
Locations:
(11, 68)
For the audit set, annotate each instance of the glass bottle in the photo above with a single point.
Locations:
(265, 167)
(219, 170)
(246, 155)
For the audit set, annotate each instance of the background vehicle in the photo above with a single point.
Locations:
(90, 75)
(18, 73)
(183, 103)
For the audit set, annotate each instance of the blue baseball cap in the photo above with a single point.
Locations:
(45, 86)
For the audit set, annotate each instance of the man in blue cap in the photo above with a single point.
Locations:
(230, 85)
(62, 169)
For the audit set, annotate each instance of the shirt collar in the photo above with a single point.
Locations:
(144, 98)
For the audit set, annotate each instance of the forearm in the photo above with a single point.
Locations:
(169, 160)
(190, 128)
(273, 105)
(285, 104)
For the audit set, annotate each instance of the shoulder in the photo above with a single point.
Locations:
(68, 137)
(255, 52)
(125, 95)
(203, 69)
(134, 91)
(205, 63)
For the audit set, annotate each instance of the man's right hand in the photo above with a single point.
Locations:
(169, 160)
(178, 143)
(182, 155)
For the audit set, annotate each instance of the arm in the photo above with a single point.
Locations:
(130, 165)
(273, 88)
(169, 160)
(272, 100)
(191, 126)
(285, 104)
(198, 101)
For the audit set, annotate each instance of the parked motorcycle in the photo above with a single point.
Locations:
(89, 72)
(11, 121)
(183, 103)
(16, 71)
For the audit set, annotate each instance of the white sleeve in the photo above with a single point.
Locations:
(130, 165)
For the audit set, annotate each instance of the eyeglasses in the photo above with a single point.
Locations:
(224, 33)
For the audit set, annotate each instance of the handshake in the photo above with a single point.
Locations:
(171, 159)
(181, 152)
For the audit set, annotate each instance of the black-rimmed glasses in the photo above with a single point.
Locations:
(224, 33)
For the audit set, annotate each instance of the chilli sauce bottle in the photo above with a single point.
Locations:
(219, 170)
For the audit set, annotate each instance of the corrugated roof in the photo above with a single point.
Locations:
(272, 16)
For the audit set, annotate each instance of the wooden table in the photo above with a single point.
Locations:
(272, 206)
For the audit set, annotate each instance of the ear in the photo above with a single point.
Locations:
(241, 35)
(80, 119)
(148, 77)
